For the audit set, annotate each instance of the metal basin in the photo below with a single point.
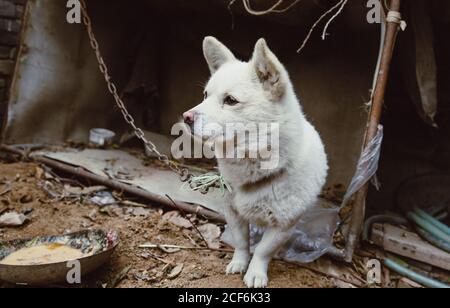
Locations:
(97, 244)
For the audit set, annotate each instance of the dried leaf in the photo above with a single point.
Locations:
(26, 199)
(212, 234)
(92, 216)
(176, 271)
(103, 198)
(119, 277)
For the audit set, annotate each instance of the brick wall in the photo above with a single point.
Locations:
(11, 12)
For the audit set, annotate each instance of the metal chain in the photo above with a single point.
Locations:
(183, 172)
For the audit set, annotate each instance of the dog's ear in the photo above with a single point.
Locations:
(269, 70)
(216, 54)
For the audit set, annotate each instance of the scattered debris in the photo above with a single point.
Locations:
(12, 219)
(39, 173)
(211, 233)
(119, 277)
(83, 191)
(342, 284)
(26, 199)
(175, 218)
(197, 276)
(176, 271)
(139, 212)
(7, 190)
(103, 198)
(176, 248)
(92, 216)
(149, 267)
(143, 276)
(119, 173)
(333, 270)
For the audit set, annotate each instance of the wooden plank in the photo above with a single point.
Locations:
(409, 244)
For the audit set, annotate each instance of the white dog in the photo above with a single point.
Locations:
(274, 198)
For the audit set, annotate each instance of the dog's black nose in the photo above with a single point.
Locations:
(188, 117)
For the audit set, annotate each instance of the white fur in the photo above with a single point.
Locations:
(266, 92)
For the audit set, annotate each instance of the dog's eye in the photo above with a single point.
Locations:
(230, 100)
(205, 95)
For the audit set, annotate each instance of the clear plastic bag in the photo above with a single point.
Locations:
(311, 239)
(367, 165)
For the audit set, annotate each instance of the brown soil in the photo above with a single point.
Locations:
(148, 268)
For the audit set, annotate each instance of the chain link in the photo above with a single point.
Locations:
(151, 147)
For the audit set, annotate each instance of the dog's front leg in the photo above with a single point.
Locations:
(274, 238)
(240, 231)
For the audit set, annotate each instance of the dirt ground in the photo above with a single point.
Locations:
(28, 188)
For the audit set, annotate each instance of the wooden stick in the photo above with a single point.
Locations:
(358, 213)
(185, 247)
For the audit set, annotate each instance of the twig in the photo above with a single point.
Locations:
(230, 9)
(162, 247)
(193, 225)
(324, 33)
(318, 21)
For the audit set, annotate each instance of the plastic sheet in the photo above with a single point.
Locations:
(311, 239)
(367, 165)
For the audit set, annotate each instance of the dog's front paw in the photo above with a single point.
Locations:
(237, 267)
(256, 279)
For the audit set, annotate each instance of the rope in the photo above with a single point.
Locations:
(396, 17)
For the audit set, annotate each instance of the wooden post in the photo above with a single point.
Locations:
(358, 214)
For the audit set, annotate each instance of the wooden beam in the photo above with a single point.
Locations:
(409, 244)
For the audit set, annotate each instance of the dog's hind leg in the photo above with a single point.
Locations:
(240, 231)
(273, 240)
